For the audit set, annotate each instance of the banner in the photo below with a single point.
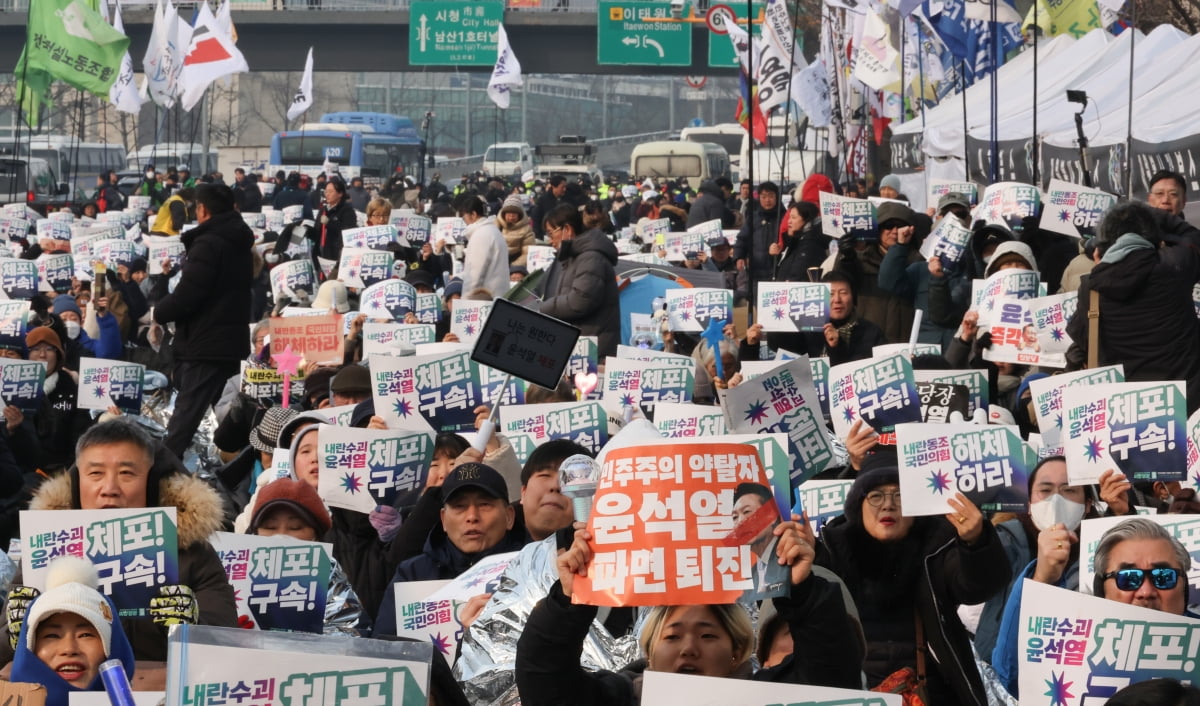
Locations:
(683, 419)
(1137, 428)
(1013, 284)
(792, 306)
(881, 392)
(1007, 202)
(290, 279)
(1047, 398)
(642, 384)
(55, 272)
(135, 550)
(691, 551)
(585, 423)
(949, 242)
(1074, 210)
(107, 383)
(303, 99)
(436, 616)
(280, 583)
(844, 216)
(19, 278)
(1032, 331)
(265, 385)
(361, 469)
(691, 309)
(389, 299)
(386, 338)
(823, 500)
(370, 237)
(989, 464)
(506, 73)
(444, 388)
(661, 688)
(467, 318)
(362, 267)
(21, 384)
(318, 338)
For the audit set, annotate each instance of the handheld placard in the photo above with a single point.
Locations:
(916, 331)
(116, 683)
(488, 427)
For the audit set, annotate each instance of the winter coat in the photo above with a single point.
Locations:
(892, 314)
(826, 650)
(863, 339)
(357, 548)
(330, 224)
(199, 513)
(358, 197)
(709, 205)
(806, 249)
(754, 242)
(485, 263)
(211, 304)
(581, 288)
(46, 440)
(518, 236)
(908, 278)
(943, 573)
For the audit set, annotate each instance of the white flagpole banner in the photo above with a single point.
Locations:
(304, 96)
(506, 73)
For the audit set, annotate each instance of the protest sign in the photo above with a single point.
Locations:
(372, 237)
(363, 267)
(523, 343)
(437, 616)
(940, 187)
(13, 228)
(14, 322)
(585, 357)
(643, 384)
(880, 391)
(449, 231)
(317, 337)
(1032, 331)
(106, 383)
(55, 272)
(1074, 210)
(444, 388)
(793, 306)
(652, 356)
(664, 532)
(389, 299)
(1009, 283)
(294, 279)
(280, 583)
(18, 278)
(783, 400)
(1008, 202)
(845, 216)
(21, 384)
(1047, 399)
(135, 550)
(652, 231)
(1193, 451)
(585, 423)
(361, 469)
(777, 464)
(819, 367)
(1079, 650)
(906, 350)
(466, 319)
(691, 309)
(265, 385)
(539, 257)
(161, 250)
(209, 665)
(668, 688)
(949, 242)
(823, 500)
(115, 252)
(1137, 428)
(939, 401)
(53, 230)
(412, 228)
(272, 220)
(989, 464)
(429, 308)
(387, 338)
(255, 220)
(683, 419)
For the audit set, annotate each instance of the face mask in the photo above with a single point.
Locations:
(72, 329)
(1056, 509)
(149, 175)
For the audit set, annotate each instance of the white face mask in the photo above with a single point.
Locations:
(73, 329)
(1056, 509)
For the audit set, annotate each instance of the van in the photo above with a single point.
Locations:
(31, 182)
(673, 160)
(507, 159)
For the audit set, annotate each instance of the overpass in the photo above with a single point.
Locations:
(356, 37)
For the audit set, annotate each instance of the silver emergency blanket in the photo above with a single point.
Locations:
(201, 456)
(489, 648)
(342, 607)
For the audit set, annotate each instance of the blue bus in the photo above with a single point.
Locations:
(371, 145)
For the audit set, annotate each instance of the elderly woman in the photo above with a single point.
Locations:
(908, 575)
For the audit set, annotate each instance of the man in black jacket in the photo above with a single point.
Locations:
(761, 229)
(210, 308)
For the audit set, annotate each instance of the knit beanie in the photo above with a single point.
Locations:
(45, 334)
(513, 203)
(71, 584)
(64, 303)
(296, 495)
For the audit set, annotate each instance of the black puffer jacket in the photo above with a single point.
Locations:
(803, 250)
(581, 288)
(330, 224)
(708, 205)
(211, 304)
(46, 440)
(754, 242)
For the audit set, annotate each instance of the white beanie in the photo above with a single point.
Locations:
(71, 588)
(331, 295)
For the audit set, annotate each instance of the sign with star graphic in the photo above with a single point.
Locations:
(1185, 528)
(436, 615)
(279, 583)
(21, 384)
(948, 242)
(585, 423)
(1009, 283)
(449, 231)
(990, 464)
(1032, 331)
(385, 338)
(643, 384)
(389, 299)
(1047, 397)
(55, 272)
(412, 228)
(363, 468)
(318, 337)
(1137, 428)
(1074, 210)
(845, 216)
(880, 391)
(1077, 650)
(116, 251)
(686, 419)
(107, 383)
(793, 306)
(1008, 202)
(691, 308)
(671, 688)
(940, 187)
(363, 267)
(443, 388)
(288, 278)
(372, 237)
(784, 400)
(467, 319)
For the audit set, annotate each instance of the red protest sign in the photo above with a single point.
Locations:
(318, 338)
(665, 531)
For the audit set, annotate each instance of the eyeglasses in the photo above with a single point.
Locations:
(875, 498)
(1163, 578)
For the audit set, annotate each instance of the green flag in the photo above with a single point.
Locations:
(33, 89)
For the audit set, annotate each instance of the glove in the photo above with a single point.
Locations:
(985, 340)
(17, 606)
(174, 605)
(386, 521)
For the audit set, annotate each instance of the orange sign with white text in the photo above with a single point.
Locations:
(317, 337)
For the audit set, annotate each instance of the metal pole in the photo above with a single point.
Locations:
(467, 116)
(749, 97)
(1129, 109)
(962, 81)
(1036, 151)
(993, 81)
(524, 114)
(205, 136)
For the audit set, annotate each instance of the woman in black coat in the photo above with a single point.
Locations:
(802, 244)
(336, 215)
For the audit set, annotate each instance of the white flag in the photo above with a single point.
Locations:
(157, 62)
(876, 63)
(507, 72)
(982, 10)
(124, 94)
(810, 91)
(304, 96)
(211, 54)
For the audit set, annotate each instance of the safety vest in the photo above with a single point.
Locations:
(162, 219)
(603, 192)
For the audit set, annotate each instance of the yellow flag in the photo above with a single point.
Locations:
(1074, 17)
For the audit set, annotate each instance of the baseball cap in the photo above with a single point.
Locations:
(474, 475)
(718, 241)
(954, 198)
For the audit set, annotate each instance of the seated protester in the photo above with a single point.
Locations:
(708, 382)
(45, 440)
(293, 508)
(862, 260)
(1166, 497)
(847, 336)
(127, 280)
(249, 470)
(1008, 255)
(907, 276)
(118, 466)
(68, 633)
(350, 385)
(79, 344)
(296, 435)
(709, 640)
(477, 522)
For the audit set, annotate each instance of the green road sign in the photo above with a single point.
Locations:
(453, 33)
(720, 49)
(625, 38)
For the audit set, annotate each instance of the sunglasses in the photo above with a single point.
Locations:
(1162, 578)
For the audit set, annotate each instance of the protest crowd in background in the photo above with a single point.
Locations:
(838, 443)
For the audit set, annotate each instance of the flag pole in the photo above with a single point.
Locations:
(749, 91)
(12, 184)
(1129, 109)
(1035, 149)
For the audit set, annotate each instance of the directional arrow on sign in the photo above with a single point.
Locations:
(423, 31)
(648, 42)
(627, 41)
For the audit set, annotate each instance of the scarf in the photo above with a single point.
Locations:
(1126, 244)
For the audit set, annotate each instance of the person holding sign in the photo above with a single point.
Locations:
(847, 336)
(45, 440)
(68, 633)
(862, 261)
(709, 640)
(581, 285)
(908, 575)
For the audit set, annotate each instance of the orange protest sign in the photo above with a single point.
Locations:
(318, 337)
(667, 527)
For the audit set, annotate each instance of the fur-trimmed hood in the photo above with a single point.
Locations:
(198, 508)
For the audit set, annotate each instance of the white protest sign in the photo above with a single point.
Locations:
(793, 306)
(845, 216)
(1011, 283)
(1032, 331)
(950, 241)
(107, 383)
(539, 257)
(989, 464)
(467, 318)
(280, 583)
(1047, 397)
(1074, 210)
(880, 391)
(388, 338)
(371, 237)
(940, 187)
(585, 422)
(643, 384)
(683, 419)
(294, 279)
(692, 308)
(668, 689)
(436, 616)
(361, 469)
(823, 500)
